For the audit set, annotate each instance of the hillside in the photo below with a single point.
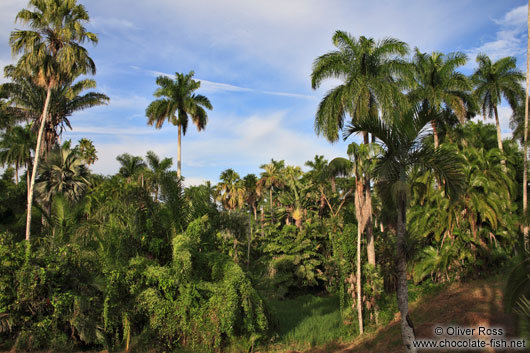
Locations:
(472, 304)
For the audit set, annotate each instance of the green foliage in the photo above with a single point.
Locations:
(295, 259)
(204, 298)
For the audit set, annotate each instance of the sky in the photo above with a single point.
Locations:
(254, 60)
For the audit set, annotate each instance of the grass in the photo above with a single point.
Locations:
(307, 321)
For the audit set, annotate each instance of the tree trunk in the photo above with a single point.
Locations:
(270, 200)
(525, 151)
(262, 219)
(407, 329)
(499, 136)
(28, 177)
(435, 134)
(358, 284)
(16, 173)
(249, 239)
(370, 241)
(36, 163)
(179, 172)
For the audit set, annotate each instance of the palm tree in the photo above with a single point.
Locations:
(250, 184)
(271, 178)
(403, 151)
(368, 70)
(230, 190)
(177, 102)
(492, 82)
(159, 168)
(131, 166)
(15, 148)
(88, 151)
(63, 172)
(436, 85)
(67, 97)
(51, 53)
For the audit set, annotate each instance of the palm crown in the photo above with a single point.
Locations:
(176, 104)
(436, 85)
(492, 82)
(367, 68)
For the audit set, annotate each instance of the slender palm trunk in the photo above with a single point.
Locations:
(436, 144)
(370, 244)
(28, 177)
(499, 136)
(262, 219)
(36, 162)
(249, 239)
(525, 160)
(407, 329)
(370, 241)
(435, 134)
(358, 286)
(179, 152)
(16, 173)
(270, 200)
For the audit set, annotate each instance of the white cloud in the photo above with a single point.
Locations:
(217, 87)
(194, 181)
(505, 113)
(510, 39)
(254, 140)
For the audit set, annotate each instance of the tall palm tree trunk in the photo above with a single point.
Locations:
(499, 136)
(435, 134)
(270, 200)
(407, 329)
(525, 157)
(358, 284)
(16, 173)
(370, 241)
(179, 152)
(249, 238)
(36, 162)
(436, 144)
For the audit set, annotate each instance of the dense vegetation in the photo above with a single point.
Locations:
(136, 260)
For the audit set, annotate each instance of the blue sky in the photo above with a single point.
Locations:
(254, 59)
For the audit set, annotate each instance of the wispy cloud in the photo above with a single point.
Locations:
(220, 87)
(95, 130)
(509, 38)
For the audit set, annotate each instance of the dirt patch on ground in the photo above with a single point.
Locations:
(472, 304)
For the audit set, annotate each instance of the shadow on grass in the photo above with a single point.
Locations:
(308, 320)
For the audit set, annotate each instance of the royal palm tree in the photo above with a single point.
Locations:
(368, 70)
(51, 53)
(403, 151)
(176, 104)
(436, 85)
(493, 81)
(16, 145)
